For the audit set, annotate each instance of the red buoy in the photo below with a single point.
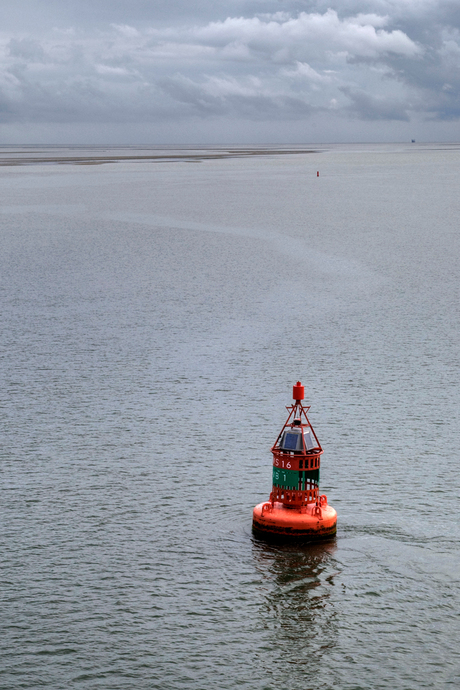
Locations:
(296, 510)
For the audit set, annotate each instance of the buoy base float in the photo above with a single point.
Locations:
(281, 523)
(296, 511)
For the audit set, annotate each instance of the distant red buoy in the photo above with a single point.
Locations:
(317, 173)
(296, 510)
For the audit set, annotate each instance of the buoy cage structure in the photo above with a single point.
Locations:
(296, 511)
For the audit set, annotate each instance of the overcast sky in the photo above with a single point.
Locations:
(229, 71)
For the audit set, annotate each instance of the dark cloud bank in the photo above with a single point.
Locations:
(229, 71)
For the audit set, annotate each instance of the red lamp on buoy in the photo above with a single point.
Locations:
(296, 510)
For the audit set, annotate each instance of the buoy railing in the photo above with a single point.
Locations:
(298, 498)
(287, 460)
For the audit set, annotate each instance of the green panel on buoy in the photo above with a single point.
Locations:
(293, 479)
(288, 479)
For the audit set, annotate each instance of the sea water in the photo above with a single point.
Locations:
(155, 314)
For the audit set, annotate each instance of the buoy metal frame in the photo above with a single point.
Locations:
(296, 510)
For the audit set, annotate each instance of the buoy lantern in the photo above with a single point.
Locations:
(296, 510)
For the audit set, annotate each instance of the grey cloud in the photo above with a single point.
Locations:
(28, 49)
(146, 60)
(30, 15)
(368, 107)
(224, 96)
(184, 90)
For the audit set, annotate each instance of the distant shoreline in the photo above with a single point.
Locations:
(196, 156)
